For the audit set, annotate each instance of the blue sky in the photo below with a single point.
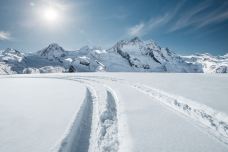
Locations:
(185, 26)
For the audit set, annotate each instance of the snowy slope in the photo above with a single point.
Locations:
(118, 112)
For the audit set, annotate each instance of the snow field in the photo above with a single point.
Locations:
(119, 112)
(34, 113)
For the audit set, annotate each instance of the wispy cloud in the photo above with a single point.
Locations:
(213, 18)
(137, 30)
(5, 35)
(187, 17)
(143, 28)
(201, 16)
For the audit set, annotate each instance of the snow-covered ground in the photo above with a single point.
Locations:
(34, 113)
(116, 112)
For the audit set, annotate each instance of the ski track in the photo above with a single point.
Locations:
(112, 131)
(105, 128)
(100, 132)
(78, 136)
(108, 127)
(213, 122)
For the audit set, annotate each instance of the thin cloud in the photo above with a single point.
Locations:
(201, 15)
(5, 35)
(190, 18)
(187, 18)
(213, 18)
(143, 28)
(137, 30)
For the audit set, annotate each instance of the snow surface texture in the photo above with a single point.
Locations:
(34, 119)
(132, 55)
(118, 112)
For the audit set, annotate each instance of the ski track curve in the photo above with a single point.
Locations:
(105, 136)
(213, 122)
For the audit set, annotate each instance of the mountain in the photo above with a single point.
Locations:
(12, 61)
(134, 55)
(210, 63)
(147, 56)
(52, 52)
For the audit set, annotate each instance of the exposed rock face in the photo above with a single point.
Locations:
(52, 52)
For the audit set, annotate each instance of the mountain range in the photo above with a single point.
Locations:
(134, 55)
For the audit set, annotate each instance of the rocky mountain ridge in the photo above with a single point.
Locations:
(132, 55)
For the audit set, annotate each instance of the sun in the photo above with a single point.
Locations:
(50, 14)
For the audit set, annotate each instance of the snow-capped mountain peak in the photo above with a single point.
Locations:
(53, 51)
(210, 63)
(136, 40)
(149, 56)
(12, 55)
(132, 55)
(10, 51)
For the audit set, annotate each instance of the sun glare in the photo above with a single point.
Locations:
(50, 15)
